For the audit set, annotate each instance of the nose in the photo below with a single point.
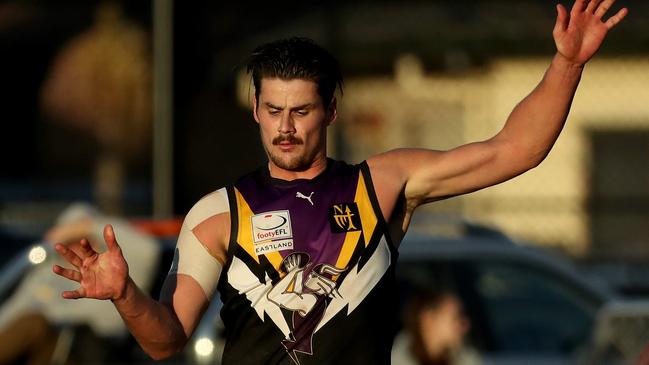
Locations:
(286, 124)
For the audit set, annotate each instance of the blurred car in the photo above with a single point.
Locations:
(526, 305)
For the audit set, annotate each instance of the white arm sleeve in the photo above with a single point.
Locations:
(191, 257)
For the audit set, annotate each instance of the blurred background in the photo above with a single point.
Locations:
(139, 108)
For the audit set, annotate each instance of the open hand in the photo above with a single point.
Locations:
(100, 275)
(579, 35)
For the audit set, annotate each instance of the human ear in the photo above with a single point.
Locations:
(332, 111)
(254, 108)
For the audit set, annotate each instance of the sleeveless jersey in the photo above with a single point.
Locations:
(310, 272)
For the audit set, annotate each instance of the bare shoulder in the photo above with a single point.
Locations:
(385, 168)
(209, 221)
(390, 172)
(393, 173)
(395, 167)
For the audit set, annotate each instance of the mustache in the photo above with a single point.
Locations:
(290, 139)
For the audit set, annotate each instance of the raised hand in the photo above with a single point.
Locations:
(578, 35)
(100, 275)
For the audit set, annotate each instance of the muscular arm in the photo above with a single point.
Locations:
(407, 178)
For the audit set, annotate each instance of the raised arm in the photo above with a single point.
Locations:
(406, 178)
(163, 327)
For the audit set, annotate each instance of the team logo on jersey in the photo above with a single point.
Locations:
(312, 293)
(305, 292)
(271, 231)
(344, 217)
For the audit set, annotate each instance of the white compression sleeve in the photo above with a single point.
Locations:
(191, 257)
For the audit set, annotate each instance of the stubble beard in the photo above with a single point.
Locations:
(289, 160)
(290, 163)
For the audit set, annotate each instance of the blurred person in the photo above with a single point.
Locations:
(326, 232)
(33, 315)
(434, 332)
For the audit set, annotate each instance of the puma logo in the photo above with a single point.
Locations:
(302, 196)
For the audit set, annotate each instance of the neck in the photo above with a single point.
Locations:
(315, 169)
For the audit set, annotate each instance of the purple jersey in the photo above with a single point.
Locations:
(310, 271)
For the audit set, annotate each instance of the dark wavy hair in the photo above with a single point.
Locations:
(296, 58)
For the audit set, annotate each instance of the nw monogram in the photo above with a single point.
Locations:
(344, 217)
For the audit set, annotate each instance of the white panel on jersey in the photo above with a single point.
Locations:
(242, 279)
(358, 284)
(191, 257)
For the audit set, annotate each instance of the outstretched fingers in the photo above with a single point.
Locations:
(85, 249)
(73, 294)
(603, 8)
(599, 8)
(562, 20)
(579, 6)
(73, 275)
(109, 238)
(69, 255)
(615, 19)
(592, 5)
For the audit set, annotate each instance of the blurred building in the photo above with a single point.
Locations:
(432, 74)
(591, 193)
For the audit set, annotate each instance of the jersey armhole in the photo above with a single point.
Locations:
(234, 225)
(383, 225)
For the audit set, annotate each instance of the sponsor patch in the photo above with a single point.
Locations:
(344, 217)
(271, 231)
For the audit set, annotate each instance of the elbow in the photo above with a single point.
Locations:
(535, 158)
(162, 355)
(158, 356)
(528, 156)
(158, 353)
(519, 162)
(527, 163)
(520, 155)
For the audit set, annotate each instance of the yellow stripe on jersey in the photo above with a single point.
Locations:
(368, 222)
(368, 217)
(244, 236)
(351, 240)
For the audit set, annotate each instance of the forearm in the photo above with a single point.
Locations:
(153, 324)
(535, 123)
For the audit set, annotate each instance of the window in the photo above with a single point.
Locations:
(619, 191)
